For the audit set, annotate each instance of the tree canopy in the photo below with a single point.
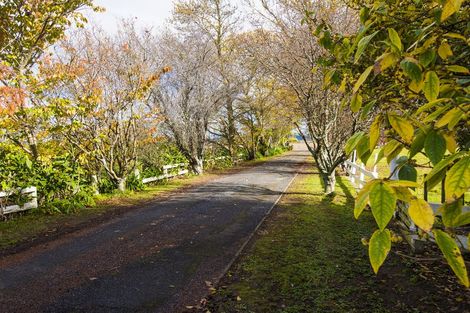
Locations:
(408, 66)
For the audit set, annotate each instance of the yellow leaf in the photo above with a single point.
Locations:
(403, 193)
(362, 198)
(342, 87)
(416, 86)
(356, 102)
(455, 36)
(362, 78)
(450, 7)
(431, 86)
(374, 133)
(450, 142)
(452, 118)
(403, 183)
(458, 179)
(384, 62)
(422, 214)
(379, 246)
(458, 69)
(444, 50)
(402, 126)
(453, 255)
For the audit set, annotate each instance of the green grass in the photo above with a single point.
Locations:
(309, 258)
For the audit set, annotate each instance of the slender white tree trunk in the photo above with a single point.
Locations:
(197, 166)
(121, 184)
(329, 182)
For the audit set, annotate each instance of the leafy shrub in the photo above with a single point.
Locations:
(134, 183)
(106, 185)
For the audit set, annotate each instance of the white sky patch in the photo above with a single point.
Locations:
(147, 13)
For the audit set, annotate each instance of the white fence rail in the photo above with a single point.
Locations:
(358, 174)
(30, 193)
(181, 170)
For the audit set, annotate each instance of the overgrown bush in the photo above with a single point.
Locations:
(155, 155)
(60, 181)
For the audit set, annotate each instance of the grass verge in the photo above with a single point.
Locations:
(308, 257)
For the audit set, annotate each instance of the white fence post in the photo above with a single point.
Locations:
(31, 204)
(358, 174)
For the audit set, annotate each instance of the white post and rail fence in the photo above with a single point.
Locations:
(30, 196)
(359, 175)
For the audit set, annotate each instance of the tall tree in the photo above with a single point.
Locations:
(217, 22)
(102, 104)
(189, 95)
(288, 52)
(27, 29)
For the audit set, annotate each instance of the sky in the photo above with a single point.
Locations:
(147, 12)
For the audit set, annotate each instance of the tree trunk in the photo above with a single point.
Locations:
(94, 184)
(121, 184)
(197, 166)
(329, 182)
(231, 130)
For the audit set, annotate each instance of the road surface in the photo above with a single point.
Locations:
(157, 258)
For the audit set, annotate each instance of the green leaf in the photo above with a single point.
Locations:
(379, 246)
(431, 105)
(402, 183)
(422, 214)
(382, 201)
(418, 143)
(402, 126)
(427, 57)
(403, 194)
(458, 179)
(412, 70)
(442, 165)
(435, 147)
(390, 147)
(408, 172)
(395, 40)
(363, 150)
(353, 142)
(356, 102)
(362, 45)
(362, 78)
(431, 86)
(453, 255)
(436, 179)
(450, 7)
(367, 108)
(450, 212)
(462, 219)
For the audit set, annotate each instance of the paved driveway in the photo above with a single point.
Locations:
(156, 258)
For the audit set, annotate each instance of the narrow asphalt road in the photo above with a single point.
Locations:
(156, 258)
